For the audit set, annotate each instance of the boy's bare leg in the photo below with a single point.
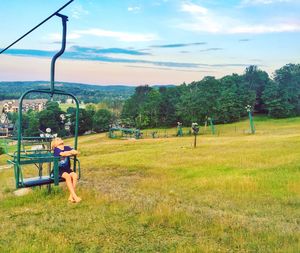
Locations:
(74, 178)
(69, 184)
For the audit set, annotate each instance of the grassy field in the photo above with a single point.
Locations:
(65, 106)
(234, 193)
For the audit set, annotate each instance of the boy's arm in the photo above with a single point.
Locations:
(74, 152)
(69, 153)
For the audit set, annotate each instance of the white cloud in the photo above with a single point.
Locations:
(243, 29)
(159, 2)
(204, 20)
(121, 36)
(193, 8)
(260, 29)
(263, 2)
(134, 9)
(78, 11)
(58, 36)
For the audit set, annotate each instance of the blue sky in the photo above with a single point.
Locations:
(149, 42)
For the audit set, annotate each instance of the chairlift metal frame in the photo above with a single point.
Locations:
(38, 158)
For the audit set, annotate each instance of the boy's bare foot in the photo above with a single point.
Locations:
(77, 200)
(71, 199)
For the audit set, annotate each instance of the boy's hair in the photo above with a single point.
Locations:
(55, 142)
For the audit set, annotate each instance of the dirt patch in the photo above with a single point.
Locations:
(117, 184)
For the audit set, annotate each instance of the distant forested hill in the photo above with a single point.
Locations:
(86, 93)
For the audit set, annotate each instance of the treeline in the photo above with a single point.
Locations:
(223, 99)
(84, 92)
(91, 119)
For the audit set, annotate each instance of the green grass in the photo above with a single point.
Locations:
(65, 106)
(234, 193)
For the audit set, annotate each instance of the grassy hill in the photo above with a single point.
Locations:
(234, 193)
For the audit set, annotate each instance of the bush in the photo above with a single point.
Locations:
(1, 151)
(101, 120)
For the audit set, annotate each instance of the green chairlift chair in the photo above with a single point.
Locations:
(22, 158)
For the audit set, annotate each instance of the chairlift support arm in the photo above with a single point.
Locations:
(64, 20)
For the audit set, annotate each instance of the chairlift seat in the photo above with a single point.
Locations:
(33, 157)
(38, 181)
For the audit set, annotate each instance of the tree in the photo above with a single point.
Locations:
(13, 117)
(288, 79)
(223, 99)
(167, 107)
(230, 109)
(199, 101)
(273, 101)
(32, 124)
(282, 96)
(85, 121)
(142, 109)
(149, 109)
(101, 120)
(130, 111)
(186, 107)
(53, 117)
(256, 80)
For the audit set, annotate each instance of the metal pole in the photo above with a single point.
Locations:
(77, 115)
(20, 120)
(212, 126)
(251, 123)
(61, 51)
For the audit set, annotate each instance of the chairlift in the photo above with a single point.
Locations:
(36, 157)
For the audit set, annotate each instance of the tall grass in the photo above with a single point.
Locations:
(234, 193)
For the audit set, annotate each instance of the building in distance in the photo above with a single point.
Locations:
(9, 106)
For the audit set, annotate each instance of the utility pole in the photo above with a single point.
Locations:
(249, 110)
(213, 131)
